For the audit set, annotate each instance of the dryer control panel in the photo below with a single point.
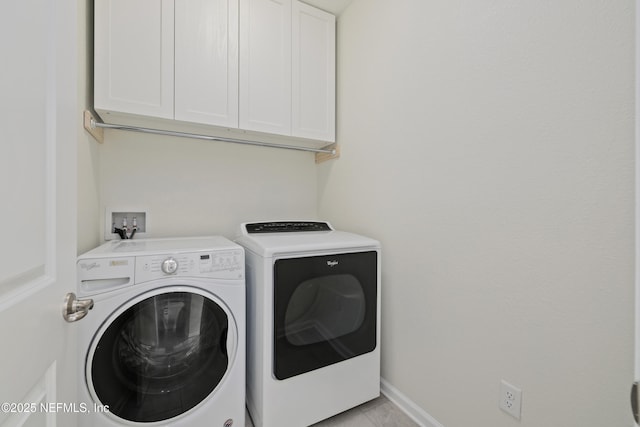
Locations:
(285, 227)
(216, 265)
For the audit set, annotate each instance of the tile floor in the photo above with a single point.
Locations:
(380, 412)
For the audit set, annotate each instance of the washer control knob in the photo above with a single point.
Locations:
(169, 265)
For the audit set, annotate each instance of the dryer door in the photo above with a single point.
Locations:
(161, 354)
(325, 310)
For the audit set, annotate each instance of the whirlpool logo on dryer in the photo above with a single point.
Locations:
(332, 263)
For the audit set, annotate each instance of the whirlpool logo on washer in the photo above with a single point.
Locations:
(89, 267)
(332, 263)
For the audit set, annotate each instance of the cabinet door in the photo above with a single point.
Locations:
(206, 61)
(313, 73)
(133, 48)
(265, 66)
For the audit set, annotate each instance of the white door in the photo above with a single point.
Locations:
(133, 69)
(313, 73)
(39, 121)
(265, 66)
(206, 61)
(635, 397)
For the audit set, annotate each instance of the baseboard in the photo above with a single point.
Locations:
(408, 406)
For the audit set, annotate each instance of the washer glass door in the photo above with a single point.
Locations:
(160, 357)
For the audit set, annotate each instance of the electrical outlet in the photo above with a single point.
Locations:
(510, 399)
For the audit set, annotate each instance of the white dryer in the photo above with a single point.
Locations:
(165, 341)
(313, 321)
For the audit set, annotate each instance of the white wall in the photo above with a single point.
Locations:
(489, 146)
(88, 224)
(192, 187)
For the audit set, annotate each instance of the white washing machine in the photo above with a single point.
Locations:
(313, 324)
(165, 341)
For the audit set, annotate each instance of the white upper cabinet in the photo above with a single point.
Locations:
(287, 69)
(133, 69)
(313, 73)
(206, 62)
(265, 66)
(258, 68)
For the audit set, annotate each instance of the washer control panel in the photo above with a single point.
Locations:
(226, 264)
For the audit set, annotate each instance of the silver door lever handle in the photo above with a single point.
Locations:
(75, 309)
